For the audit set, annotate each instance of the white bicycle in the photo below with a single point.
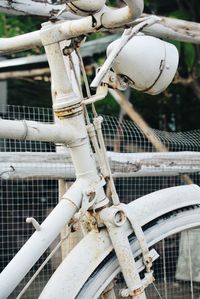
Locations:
(119, 237)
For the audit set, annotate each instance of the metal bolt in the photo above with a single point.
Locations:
(124, 293)
(119, 218)
(112, 78)
(123, 84)
(67, 51)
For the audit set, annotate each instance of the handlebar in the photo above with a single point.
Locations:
(122, 16)
(20, 42)
(106, 18)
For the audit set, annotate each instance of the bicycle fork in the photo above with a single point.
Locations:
(114, 218)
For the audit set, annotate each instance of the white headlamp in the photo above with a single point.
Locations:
(148, 63)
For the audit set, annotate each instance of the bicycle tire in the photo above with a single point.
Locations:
(157, 230)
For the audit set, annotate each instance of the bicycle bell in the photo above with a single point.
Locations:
(148, 63)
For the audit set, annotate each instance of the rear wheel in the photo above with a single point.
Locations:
(177, 271)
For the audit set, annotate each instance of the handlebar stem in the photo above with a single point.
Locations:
(65, 30)
(61, 86)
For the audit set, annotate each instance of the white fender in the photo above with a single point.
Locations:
(94, 247)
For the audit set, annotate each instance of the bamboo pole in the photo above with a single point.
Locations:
(142, 125)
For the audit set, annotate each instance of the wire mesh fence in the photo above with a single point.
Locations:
(36, 197)
(22, 198)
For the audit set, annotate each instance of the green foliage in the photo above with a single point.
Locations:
(176, 43)
(108, 106)
(15, 25)
(95, 35)
(147, 3)
(180, 14)
(189, 56)
(197, 70)
(111, 2)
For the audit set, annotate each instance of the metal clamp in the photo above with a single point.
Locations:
(114, 81)
(90, 196)
(147, 280)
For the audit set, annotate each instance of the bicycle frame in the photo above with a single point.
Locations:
(68, 109)
(65, 102)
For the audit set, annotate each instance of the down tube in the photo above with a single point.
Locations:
(23, 261)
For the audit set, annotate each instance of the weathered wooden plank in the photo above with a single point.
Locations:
(177, 29)
(154, 164)
(59, 166)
